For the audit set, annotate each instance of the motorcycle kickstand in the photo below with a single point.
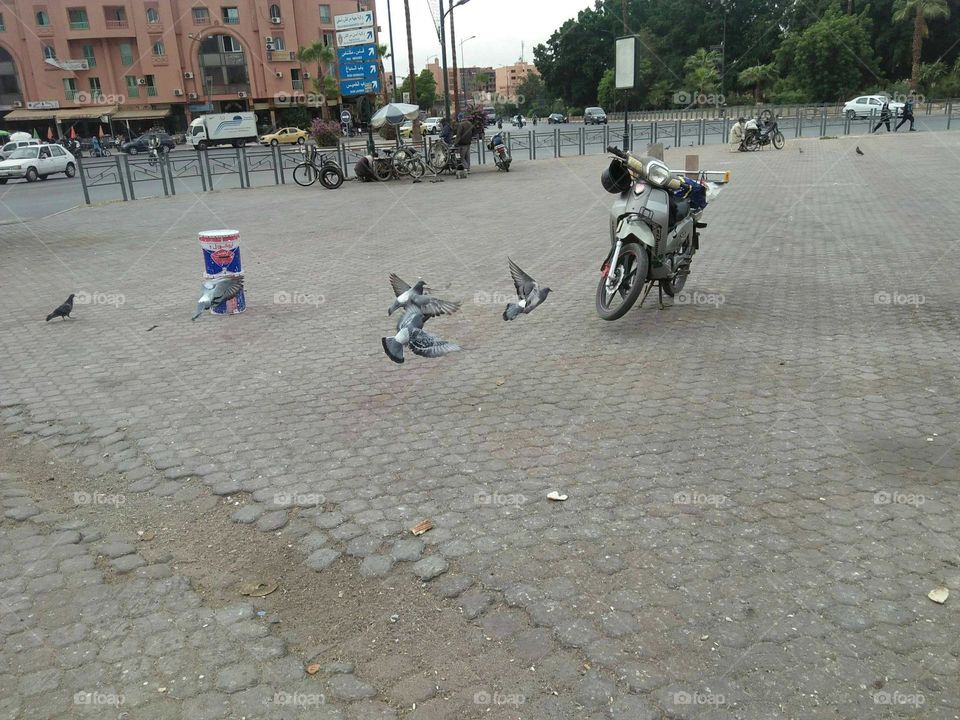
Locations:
(646, 292)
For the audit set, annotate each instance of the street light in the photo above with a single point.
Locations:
(443, 52)
(463, 67)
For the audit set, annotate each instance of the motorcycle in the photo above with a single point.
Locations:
(501, 156)
(654, 231)
(762, 132)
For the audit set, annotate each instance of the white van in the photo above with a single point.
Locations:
(13, 145)
(235, 129)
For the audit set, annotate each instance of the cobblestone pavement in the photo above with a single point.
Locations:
(759, 477)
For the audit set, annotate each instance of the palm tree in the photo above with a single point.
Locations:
(383, 53)
(701, 70)
(413, 75)
(324, 84)
(922, 10)
(758, 76)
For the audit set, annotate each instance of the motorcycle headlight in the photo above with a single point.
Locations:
(657, 173)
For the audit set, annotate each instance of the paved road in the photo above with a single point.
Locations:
(761, 478)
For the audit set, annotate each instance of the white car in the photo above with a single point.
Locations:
(867, 105)
(37, 161)
(13, 145)
(431, 126)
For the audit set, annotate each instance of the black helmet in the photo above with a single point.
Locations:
(616, 178)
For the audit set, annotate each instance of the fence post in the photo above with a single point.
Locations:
(949, 112)
(123, 185)
(205, 161)
(606, 137)
(126, 173)
(583, 141)
(823, 122)
(532, 140)
(556, 142)
(798, 130)
(277, 159)
(166, 173)
(678, 128)
(83, 181)
(509, 145)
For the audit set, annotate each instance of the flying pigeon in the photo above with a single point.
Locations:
(528, 290)
(63, 311)
(859, 151)
(410, 333)
(415, 296)
(214, 292)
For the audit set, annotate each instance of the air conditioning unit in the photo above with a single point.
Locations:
(191, 96)
(141, 81)
(278, 74)
(188, 76)
(178, 92)
(241, 94)
(17, 103)
(306, 76)
(275, 21)
(271, 47)
(268, 40)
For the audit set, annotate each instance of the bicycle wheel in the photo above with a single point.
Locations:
(382, 169)
(416, 168)
(331, 176)
(401, 162)
(305, 174)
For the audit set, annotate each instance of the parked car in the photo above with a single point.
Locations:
(594, 116)
(11, 146)
(867, 105)
(490, 113)
(406, 130)
(37, 161)
(285, 136)
(142, 143)
(556, 118)
(431, 126)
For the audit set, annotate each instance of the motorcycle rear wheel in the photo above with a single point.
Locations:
(778, 140)
(632, 263)
(752, 143)
(331, 176)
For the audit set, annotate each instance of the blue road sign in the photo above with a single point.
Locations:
(359, 71)
(359, 87)
(356, 54)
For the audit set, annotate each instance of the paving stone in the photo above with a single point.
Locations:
(322, 558)
(247, 514)
(376, 566)
(236, 677)
(430, 567)
(349, 687)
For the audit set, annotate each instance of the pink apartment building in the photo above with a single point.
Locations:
(157, 61)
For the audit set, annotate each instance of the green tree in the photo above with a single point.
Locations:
(757, 77)
(383, 53)
(921, 10)
(426, 86)
(702, 74)
(534, 94)
(323, 84)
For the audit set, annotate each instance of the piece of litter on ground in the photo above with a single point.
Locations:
(939, 595)
(260, 588)
(704, 637)
(500, 381)
(313, 668)
(146, 535)
(394, 618)
(421, 527)
(556, 496)
(261, 613)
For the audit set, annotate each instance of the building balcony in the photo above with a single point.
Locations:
(231, 21)
(151, 91)
(283, 56)
(117, 25)
(44, 31)
(297, 84)
(161, 60)
(73, 94)
(203, 20)
(10, 99)
(79, 25)
(155, 28)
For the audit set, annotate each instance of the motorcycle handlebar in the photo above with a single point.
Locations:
(637, 164)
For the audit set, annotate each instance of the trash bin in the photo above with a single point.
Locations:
(221, 258)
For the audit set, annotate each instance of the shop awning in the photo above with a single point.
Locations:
(24, 114)
(151, 114)
(94, 112)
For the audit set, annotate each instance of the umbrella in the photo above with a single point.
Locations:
(4, 133)
(36, 135)
(395, 114)
(49, 133)
(73, 133)
(100, 131)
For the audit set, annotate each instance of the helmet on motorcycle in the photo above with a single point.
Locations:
(616, 178)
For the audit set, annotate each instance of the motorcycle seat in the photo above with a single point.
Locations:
(679, 209)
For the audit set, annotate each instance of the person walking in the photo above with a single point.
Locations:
(907, 115)
(885, 116)
(95, 149)
(464, 141)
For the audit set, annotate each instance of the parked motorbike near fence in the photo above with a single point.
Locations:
(501, 155)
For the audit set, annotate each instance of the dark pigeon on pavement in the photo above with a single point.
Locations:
(63, 311)
(528, 291)
(410, 333)
(859, 151)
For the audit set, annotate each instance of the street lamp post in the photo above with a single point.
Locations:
(393, 61)
(443, 53)
(463, 67)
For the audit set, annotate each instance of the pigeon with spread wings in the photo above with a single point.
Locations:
(528, 291)
(214, 292)
(410, 333)
(415, 296)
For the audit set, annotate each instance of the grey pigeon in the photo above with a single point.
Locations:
(528, 290)
(214, 292)
(410, 333)
(800, 149)
(859, 151)
(63, 311)
(407, 296)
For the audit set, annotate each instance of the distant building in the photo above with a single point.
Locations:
(510, 77)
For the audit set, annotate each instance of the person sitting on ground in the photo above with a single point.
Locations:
(735, 140)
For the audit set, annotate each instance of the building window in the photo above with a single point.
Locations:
(132, 89)
(324, 13)
(49, 53)
(78, 19)
(43, 20)
(2, 26)
(116, 18)
(327, 39)
(153, 17)
(274, 12)
(278, 42)
(158, 49)
(296, 81)
(89, 56)
(151, 85)
(95, 89)
(231, 16)
(70, 88)
(201, 16)
(126, 54)
(230, 44)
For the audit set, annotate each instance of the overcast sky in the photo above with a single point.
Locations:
(499, 25)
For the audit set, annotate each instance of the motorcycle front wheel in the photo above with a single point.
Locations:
(630, 274)
(778, 140)
(331, 176)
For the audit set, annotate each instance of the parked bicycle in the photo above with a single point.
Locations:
(445, 158)
(318, 166)
(408, 161)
